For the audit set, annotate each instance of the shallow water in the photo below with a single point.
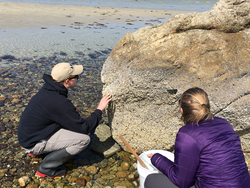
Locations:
(68, 41)
(37, 42)
(157, 4)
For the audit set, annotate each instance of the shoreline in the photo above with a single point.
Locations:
(27, 15)
(31, 29)
(199, 6)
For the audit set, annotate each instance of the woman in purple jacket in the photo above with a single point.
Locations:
(207, 151)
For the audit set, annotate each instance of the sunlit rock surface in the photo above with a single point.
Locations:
(148, 70)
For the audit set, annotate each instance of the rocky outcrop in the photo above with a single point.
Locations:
(103, 143)
(148, 70)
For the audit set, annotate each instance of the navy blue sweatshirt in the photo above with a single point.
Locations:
(50, 110)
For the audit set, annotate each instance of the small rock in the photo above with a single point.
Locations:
(125, 166)
(3, 146)
(81, 181)
(32, 94)
(3, 170)
(2, 98)
(17, 96)
(130, 177)
(1, 103)
(73, 179)
(19, 171)
(133, 167)
(7, 57)
(92, 170)
(60, 185)
(57, 178)
(6, 120)
(16, 100)
(111, 160)
(116, 184)
(2, 126)
(46, 184)
(23, 181)
(75, 174)
(122, 174)
(87, 178)
(19, 156)
(32, 186)
(102, 141)
(126, 158)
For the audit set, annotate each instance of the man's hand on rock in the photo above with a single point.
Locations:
(104, 102)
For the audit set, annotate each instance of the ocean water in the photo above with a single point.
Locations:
(30, 42)
(198, 5)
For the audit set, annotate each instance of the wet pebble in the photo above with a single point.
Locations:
(92, 170)
(2, 98)
(2, 127)
(7, 57)
(1, 103)
(16, 100)
(81, 181)
(19, 156)
(33, 186)
(23, 181)
(125, 165)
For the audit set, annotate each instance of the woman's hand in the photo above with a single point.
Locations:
(104, 101)
(150, 155)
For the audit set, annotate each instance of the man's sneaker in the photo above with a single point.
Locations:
(60, 172)
(32, 155)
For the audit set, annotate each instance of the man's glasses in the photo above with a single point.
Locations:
(76, 76)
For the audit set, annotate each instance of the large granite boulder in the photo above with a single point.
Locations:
(148, 70)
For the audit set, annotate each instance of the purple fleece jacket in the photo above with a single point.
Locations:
(208, 155)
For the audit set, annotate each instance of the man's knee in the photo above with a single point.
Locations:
(85, 141)
(79, 146)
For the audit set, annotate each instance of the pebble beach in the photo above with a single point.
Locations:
(33, 38)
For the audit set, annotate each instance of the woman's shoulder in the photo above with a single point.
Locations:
(216, 118)
(202, 127)
(202, 124)
(206, 129)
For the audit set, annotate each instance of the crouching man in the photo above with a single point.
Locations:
(50, 122)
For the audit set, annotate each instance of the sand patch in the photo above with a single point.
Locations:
(27, 15)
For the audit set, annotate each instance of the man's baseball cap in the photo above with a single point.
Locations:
(63, 71)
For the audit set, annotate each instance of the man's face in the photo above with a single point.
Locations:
(72, 80)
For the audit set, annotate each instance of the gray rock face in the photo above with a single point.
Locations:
(148, 70)
(103, 143)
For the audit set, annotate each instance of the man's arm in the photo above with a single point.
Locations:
(72, 120)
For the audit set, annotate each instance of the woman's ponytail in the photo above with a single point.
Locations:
(195, 105)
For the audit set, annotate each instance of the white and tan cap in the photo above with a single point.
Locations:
(63, 71)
